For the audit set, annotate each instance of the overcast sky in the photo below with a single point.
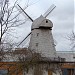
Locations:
(62, 18)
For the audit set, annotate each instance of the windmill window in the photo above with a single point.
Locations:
(37, 34)
(36, 44)
(46, 21)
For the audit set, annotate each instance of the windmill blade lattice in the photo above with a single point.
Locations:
(51, 8)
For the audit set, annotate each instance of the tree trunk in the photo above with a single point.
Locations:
(38, 70)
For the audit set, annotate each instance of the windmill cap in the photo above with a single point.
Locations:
(41, 22)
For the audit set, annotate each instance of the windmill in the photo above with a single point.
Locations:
(51, 8)
(41, 40)
(44, 45)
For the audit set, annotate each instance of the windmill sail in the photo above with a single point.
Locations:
(22, 10)
(45, 15)
(24, 39)
(49, 10)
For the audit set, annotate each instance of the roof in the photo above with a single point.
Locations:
(41, 22)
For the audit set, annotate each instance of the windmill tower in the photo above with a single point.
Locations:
(41, 40)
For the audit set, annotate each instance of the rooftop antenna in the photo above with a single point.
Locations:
(51, 8)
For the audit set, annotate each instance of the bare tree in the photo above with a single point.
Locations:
(9, 19)
(71, 37)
